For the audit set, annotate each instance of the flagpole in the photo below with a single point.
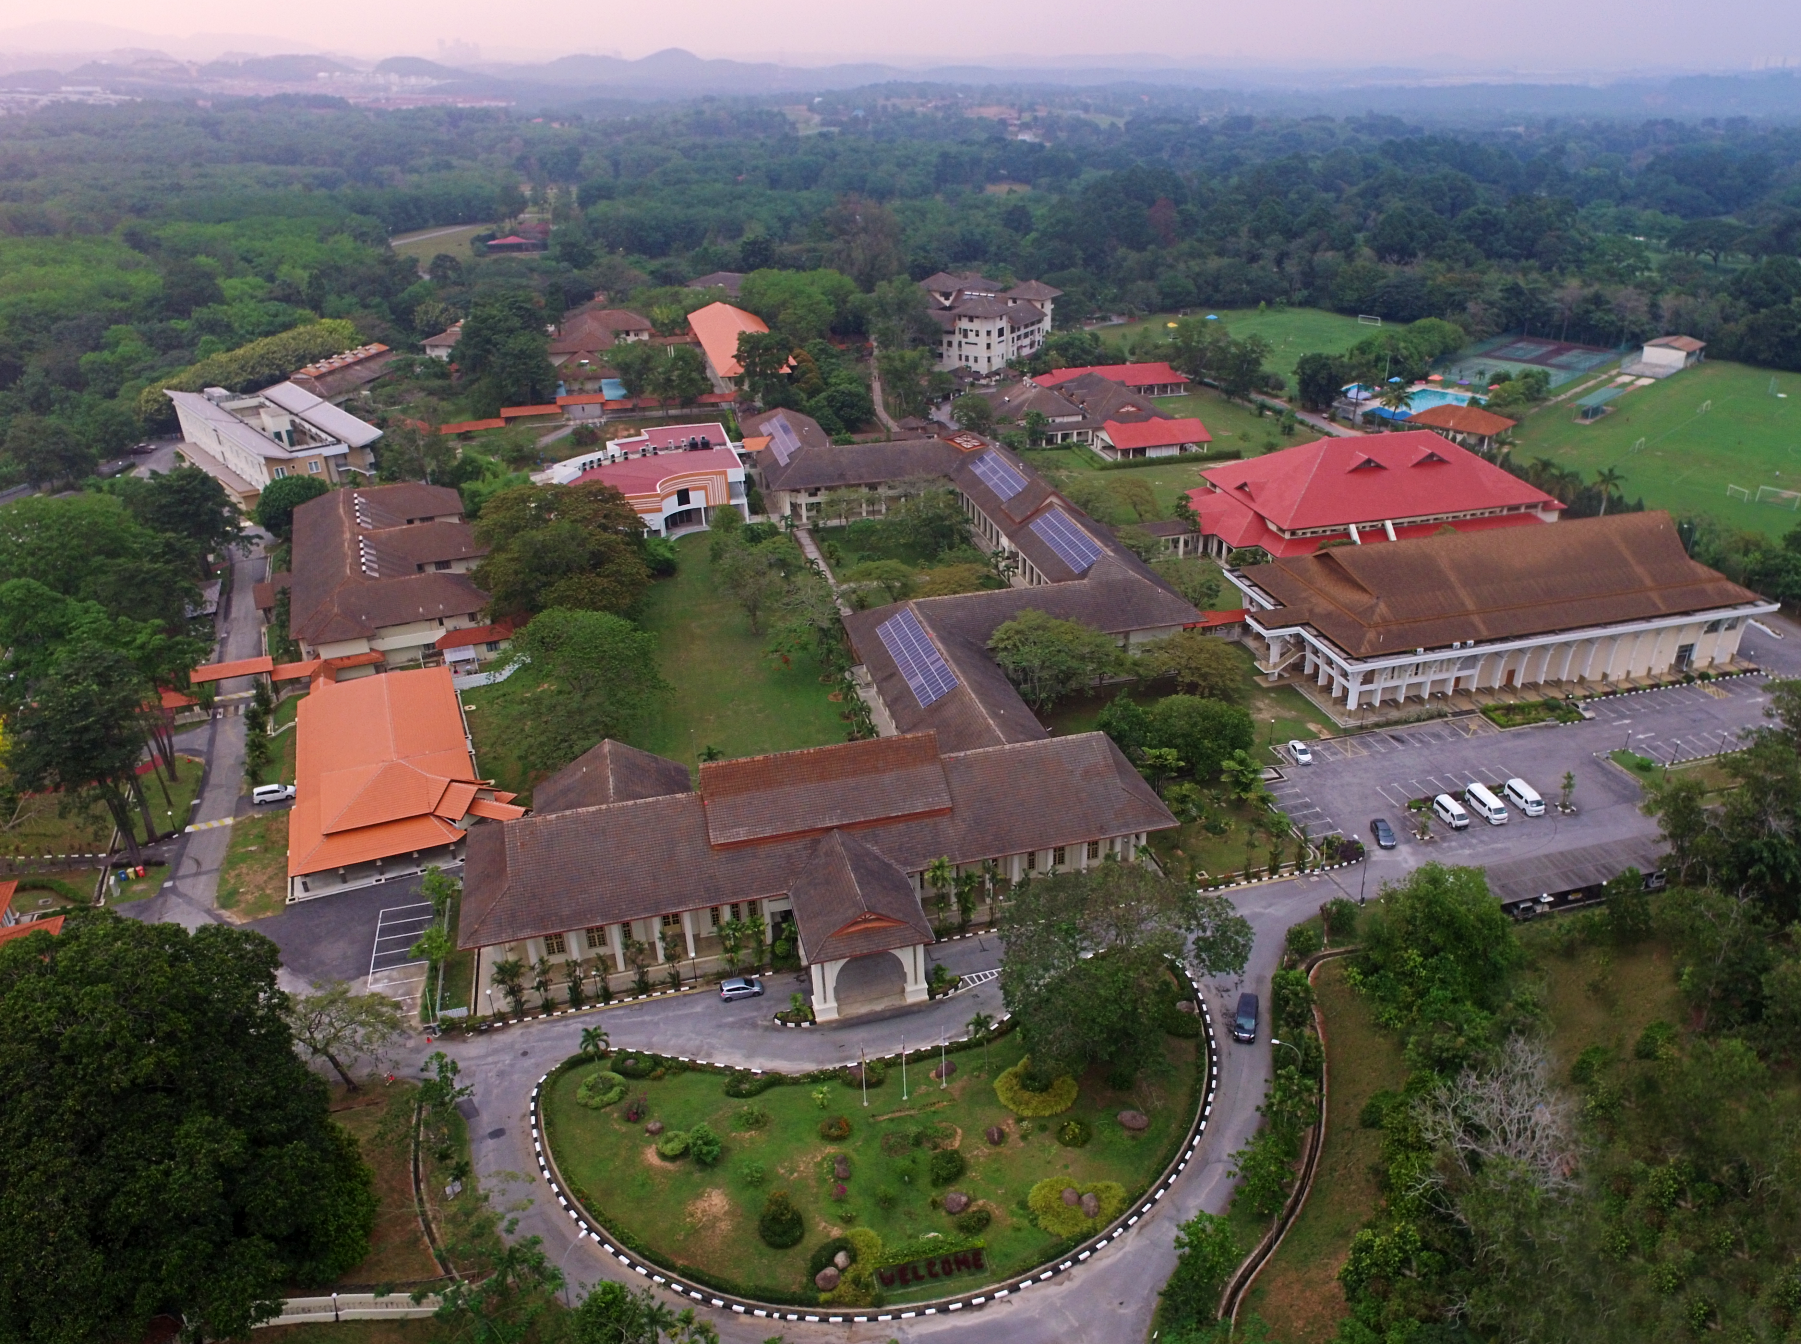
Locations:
(863, 1072)
(903, 1070)
(944, 1074)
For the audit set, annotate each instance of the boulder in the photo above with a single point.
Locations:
(1091, 1205)
(842, 1260)
(826, 1279)
(1070, 1197)
(995, 1135)
(945, 1070)
(1136, 1121)
(654, 1128)
(955, 1202)
(841, 1168)
(1185, 1005)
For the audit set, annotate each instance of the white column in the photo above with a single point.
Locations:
(688, 931)
(616, 945)
(656, 938)
(914, 960)
(825, 986)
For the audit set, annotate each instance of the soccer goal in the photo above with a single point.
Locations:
(1782, 499)
(1706, 406)
(1738, 492)
(1367, 320)
(1637, 447)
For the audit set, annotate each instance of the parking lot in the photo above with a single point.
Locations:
(1356, 778)
(361, 936)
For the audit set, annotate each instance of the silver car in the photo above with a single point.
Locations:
(740, 987)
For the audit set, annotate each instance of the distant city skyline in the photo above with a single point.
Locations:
(1531, 39)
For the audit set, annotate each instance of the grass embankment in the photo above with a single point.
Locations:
(705, 1219)
(424, 244)
(1592, 995)
(1297, 1294)
(398, 1251)
(253, 882)
(1702, 430)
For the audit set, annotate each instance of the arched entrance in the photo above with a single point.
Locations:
(867, 983)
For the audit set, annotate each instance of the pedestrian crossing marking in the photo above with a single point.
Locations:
(211, 825)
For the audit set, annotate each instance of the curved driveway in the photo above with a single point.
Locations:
(1112, 1297)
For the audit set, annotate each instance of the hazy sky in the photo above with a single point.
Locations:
(1526, 36)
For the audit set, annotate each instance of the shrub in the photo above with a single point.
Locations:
(834, 1130)
(1303, 941)
(851, 1075)
(744, 1083)
(858, 1286)
(1657, 1041)
(673, 1145)
(749, 1117)
(780, 1224)
(1178, 1023)
(1066, 1220)
(635, 1066)
(947, 1165)
(753, 1173)
(705, 1145)
(1016, 1097)
(825, 1252)
(898, 1141)
(1074, 1133)
(886, 1197)
(1341, 917)
(600, 1089)
(973, 1220)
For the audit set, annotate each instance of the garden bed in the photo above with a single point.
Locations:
(703, 1221)
(1523, 712)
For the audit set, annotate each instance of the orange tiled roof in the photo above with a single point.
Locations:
(717, 327)
(53, 925)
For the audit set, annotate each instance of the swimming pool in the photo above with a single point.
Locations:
(1422, 399)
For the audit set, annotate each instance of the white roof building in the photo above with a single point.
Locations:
(246, 440)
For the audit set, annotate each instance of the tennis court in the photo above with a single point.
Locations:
(1563, 360)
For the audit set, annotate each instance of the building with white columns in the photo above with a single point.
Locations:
(1591, 601)
(624, 867)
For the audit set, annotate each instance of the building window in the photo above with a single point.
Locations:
(280, 472)
(1712, 627)
(554, 945)
(313, 464)
(1732, 622)
(672, 921)
(1058, 857)
(736, 913)
(597, 937)
(1094, 850)
(713, 917)
(1032, 861)
(441, 564)
(681, 499)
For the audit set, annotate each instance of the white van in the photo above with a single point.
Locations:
(1523, 796)
(1485, 805)
(1448, 810)
(264, 794)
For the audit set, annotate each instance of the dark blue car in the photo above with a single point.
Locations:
(1384, 833)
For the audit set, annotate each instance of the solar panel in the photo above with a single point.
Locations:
(1073, 546)
(918, 658)
(782, 440)
(998, 475)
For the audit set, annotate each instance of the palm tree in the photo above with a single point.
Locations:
(980, 1025)
(939, 877)
(1607, 480)
(595, 1042)
(1396, 397)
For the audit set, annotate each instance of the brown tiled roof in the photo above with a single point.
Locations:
(805, 427)
(609, 773)
(804, 792)
(1035, 290)
(1018, 399)
(729, 281)
(263, 594)
(1686, 344)
(850, 900)
(357, 557)
(830, 465)
(984, 710)
(1461, 420)
(595, 329)
(555, 872)
(1428, 594)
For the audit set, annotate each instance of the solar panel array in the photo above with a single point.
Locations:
(998, 475)
(1073, 546)
(926, 673)
(782, 440)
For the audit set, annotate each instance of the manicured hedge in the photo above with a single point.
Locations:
(249, 367)
(1054, 1100)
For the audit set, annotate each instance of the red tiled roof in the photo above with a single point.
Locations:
(474, 634)
(1461, 420)
(583, 399)
(641, 476)
(717, 327)
(1331, 482)
(1156, 433)
(471, 426)
(52, 926)
(243, 667)
(525, 412)
(176, 700)
(1209, 619)
(1132, 375)
(1687, 344)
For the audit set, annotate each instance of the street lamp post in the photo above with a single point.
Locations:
(1298, 1056)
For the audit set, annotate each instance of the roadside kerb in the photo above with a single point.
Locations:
(744, 1306)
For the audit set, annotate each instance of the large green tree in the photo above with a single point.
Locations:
(1047, 658)
(275, 506)
(1203, 733)
(577, 546)
(47, 452)
(162, 1147)
(89, 546)
(185, 504)
(593, 675)
(1087, 954)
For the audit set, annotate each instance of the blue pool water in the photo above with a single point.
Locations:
(613, 389)
(1423, 399)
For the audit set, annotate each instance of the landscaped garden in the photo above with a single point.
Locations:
(1522, 712)
(755, 1184)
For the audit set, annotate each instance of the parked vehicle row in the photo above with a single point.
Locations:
(1477, 799)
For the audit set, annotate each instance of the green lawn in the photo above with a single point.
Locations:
(1298, 1294)
(1292, 332)
(1746, 437)
(424, 244)
(869, 539)
(705, 1219)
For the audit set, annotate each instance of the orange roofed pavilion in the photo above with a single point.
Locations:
(717, 327)
(384, 782)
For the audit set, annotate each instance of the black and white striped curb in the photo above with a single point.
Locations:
(497, 1023)
(744, 1306)
(1281, 877)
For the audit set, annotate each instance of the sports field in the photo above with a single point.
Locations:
(1682, 442)
(1292, 332)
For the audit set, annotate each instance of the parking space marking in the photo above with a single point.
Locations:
(397, 928)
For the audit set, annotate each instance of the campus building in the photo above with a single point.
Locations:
(672, 474)
(986, 324)
(828, 847)
(1592, 601)
(381, 573)
(245, 441)
(717, 328)
(1362, 491)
